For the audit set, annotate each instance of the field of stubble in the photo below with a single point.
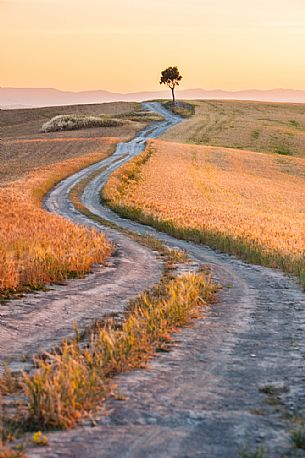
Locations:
(256, 126)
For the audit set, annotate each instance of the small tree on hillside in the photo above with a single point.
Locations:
(171, 77)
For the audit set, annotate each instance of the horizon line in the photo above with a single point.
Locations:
(178, 89)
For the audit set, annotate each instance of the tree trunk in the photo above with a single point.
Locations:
(173, 94)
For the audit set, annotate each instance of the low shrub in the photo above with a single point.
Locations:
(75, 122)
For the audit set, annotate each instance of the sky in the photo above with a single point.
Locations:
(122, 45)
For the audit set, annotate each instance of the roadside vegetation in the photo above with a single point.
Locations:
(38, 248)
(140, 115)
(249, 205)
(265, 127)
(298, 438)
(183, 109)
(258, 453)
(171, 256)
(69, 383)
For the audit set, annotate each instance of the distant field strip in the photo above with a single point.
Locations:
(37, 247)
(267, 127)
(248, 204)
(55, 140)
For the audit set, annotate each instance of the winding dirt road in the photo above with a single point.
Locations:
(203, 399)
(41, 320)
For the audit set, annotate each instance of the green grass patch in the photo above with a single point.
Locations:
(298, 438)
(255, 134)
(258, 453)
(294, 123)
(283, 150)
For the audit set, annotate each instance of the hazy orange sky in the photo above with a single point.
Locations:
(122, 45)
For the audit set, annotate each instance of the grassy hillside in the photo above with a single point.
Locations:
(267, 127)
(23, 147)
(250, 205)
(24, 122)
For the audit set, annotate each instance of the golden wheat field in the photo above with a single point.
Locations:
(249, 204)
(256, 126)
(37, 247)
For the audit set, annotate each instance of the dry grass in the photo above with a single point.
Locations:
(172, 255)
(32, 244)
(256, 126)
(250, 205)
(183, 109)
(27, 122)
(78, 121)
(141, 115)
(23, 147)
(21, 156)
(298, 438)
(75, 122)
(9, 453)
(37, 247)
(68, 384)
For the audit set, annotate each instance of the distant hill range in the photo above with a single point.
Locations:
(11, 98)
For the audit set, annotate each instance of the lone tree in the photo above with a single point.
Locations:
(171, 77)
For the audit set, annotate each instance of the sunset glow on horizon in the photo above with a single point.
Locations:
(123, 45)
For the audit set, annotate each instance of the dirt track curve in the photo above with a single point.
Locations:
(40, 320)
(203, 398)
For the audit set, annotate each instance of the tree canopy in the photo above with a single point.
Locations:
(171, 77)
